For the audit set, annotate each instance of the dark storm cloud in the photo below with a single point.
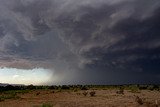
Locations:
(88, 41)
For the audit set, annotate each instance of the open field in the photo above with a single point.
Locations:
(106, 97)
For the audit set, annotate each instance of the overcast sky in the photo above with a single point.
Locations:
(80, 41)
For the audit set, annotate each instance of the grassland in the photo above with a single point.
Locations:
(80, 96)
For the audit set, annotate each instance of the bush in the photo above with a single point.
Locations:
(8, 96)
(31, 87)
(53, 87)
(75, 90)
(92, 93)
(120, 91)
(9, 87)
(85, 93)
(47, 105)
(37, 93)
(1, 99)
(139, 100)
(65, 87)
(84, 88)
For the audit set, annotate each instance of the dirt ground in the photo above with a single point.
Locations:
(102, 98)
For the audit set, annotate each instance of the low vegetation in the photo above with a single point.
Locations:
(92, 93)
(139, 100)
(81, 95)
(120, 91)
(85, 93)
(47, 105)
(133, 88)
(10, 95)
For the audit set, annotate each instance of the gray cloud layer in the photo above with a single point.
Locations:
(88, 41)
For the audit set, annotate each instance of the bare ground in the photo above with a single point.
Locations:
(103, 98)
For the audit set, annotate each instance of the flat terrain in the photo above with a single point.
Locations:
(68, 98)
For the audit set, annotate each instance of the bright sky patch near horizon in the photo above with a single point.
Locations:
(37, 76)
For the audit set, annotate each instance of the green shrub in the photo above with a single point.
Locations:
(9, 95)
(47, 105)
(1, 99)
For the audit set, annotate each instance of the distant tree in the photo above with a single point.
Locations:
(156, 87)
(31, 87)
(52, 87)
(65, 87)
(9, 87)
(1, 88)
(17, 87)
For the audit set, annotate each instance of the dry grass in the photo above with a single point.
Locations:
(104, 98)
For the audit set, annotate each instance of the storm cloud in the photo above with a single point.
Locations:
(83, 41)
